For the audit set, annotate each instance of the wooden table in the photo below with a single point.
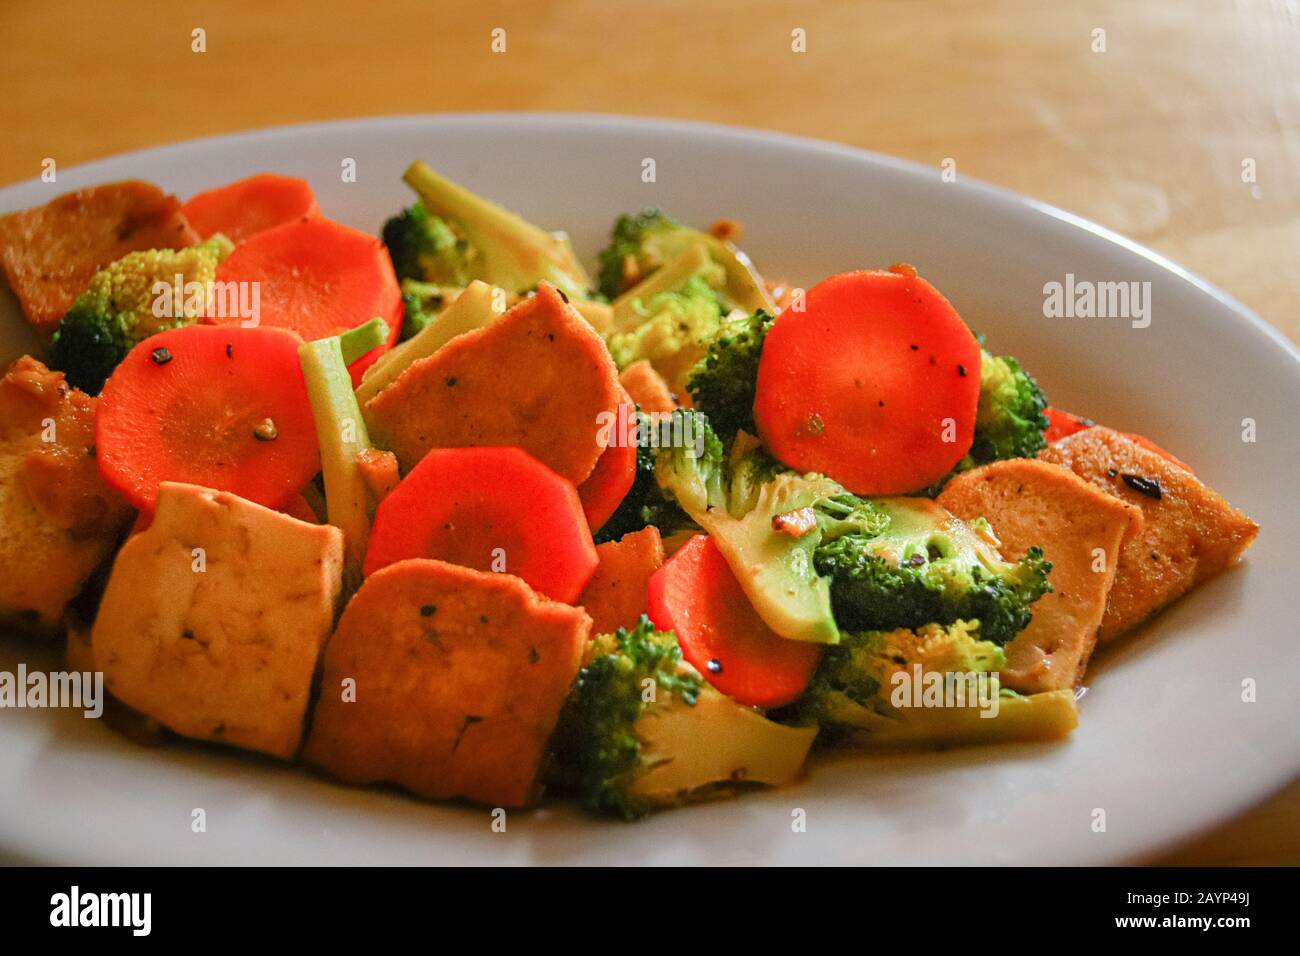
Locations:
(1178, 126)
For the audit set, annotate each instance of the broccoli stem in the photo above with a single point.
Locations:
(355, 343)
(341, 431)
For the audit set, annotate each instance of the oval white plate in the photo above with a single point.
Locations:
(1166, 745)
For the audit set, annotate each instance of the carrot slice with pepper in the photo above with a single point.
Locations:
(244, 208)
(696, 595)
(609, 482)
(318, 278)
(221, 407)
(494, 509)
(874, 383)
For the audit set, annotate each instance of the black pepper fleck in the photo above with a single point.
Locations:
(428, 610)
(230, 350)
(161, 356)
(1144, 486)
(714, 666)
(961, 370)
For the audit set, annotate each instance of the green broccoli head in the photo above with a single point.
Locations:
(1010, 419)
(423, 247)
(649, 239)
(421, 303)
(928, 567)
(117, 310)
(672, 330)
(851, 688)
(724, 381)
(627, 674)
(692, 467)
(646, 731)
(644, 504)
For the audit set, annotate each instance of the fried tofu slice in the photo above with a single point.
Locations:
(537, 378)
(1081, 530)
(215, 616)
(49, 254)
(1189, 532)
(647, 387)
(58, 520)
(616, 594)
(446, 681)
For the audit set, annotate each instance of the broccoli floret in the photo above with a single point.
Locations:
(1010, 419)
(641, 244)
(116, 312)
(672, 331)
(745, 502)
(648, 239)
(723, 382)
(644, 504)
(492, 243)
(851, 688)
(610, 699)
(650, 732)
(423, 247)
(421, 303)
(927, 567)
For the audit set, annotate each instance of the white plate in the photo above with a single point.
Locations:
(1166, 745)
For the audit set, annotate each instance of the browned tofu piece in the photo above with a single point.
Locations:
(647, 387)
(1080, 529)
(1189, 532)
(538, 378)
(616, 594)
(49, 254)
(58, 520)
(215, 616)
(446, 681)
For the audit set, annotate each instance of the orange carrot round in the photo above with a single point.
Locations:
(318, 278)
(874, 382)
(225, 408)
(242, 209)
(493, 509)
(696, 595)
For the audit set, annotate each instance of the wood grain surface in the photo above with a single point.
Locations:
(1183, 133)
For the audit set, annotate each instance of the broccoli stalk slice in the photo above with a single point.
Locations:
(506, 250)
(474, 308)
(341, 431)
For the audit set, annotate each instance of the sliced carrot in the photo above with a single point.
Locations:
(319, 278)
(696, 595)
(244, 208)
(494, 509)
(1060, 424)
(221, 407)
(609, 482)
(874, 383)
